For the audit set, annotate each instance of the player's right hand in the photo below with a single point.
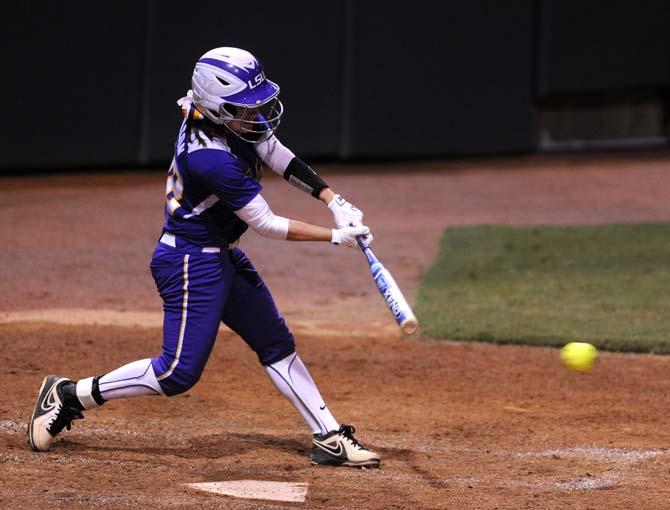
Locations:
(346, 236)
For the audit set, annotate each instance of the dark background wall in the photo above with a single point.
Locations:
(603, 46)
(94, 85)
(453, 80)
(72, 76)
(298, 45)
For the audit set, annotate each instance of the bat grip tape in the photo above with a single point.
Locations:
(361, 242)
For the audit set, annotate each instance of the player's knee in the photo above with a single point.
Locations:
(180, 381)
(271, 353)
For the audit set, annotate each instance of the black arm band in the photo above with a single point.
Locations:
(303, 177)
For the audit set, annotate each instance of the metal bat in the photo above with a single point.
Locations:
(390, 291)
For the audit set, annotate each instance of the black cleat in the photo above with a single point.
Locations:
(54, 411)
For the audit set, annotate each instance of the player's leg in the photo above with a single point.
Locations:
(333, 445)
(61, 400)
(251, 312)
(191, 321)
(194, 289)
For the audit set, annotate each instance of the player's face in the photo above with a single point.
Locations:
(242, 115)
(257, 123)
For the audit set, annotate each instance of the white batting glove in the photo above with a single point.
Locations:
(346, 236)
(344, 213)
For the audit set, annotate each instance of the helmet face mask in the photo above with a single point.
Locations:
(230, 89)
(255, 124)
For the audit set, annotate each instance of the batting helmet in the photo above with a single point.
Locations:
(228, 80)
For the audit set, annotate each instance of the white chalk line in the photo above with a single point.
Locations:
(154, 319)
(619, 460)
(85, 317)
(617, 455)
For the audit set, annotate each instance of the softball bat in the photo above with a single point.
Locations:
(388, 288)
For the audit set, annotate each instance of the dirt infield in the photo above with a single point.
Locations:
(459, 425)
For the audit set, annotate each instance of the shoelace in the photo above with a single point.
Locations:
(64, 419)
(348, 432)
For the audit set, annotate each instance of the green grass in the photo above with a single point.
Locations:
(548, 285)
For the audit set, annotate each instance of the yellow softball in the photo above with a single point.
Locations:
(579, 356)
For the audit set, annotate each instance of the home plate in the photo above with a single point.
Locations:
(256, 489)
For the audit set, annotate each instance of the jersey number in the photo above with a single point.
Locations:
(174, 189)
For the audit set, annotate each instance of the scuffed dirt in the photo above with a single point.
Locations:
(459, 425)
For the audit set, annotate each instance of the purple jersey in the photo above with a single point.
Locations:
(207, 182)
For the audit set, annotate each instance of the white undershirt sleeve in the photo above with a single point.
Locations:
(258, 215)
(274, 154)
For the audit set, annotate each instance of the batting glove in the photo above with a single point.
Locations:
(346, 236)
(344, 213)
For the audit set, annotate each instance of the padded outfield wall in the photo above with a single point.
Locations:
(95, 85)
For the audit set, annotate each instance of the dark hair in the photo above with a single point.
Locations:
(209, 129)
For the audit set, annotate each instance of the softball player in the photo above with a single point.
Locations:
(213, 195)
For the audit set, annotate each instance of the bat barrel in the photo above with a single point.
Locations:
(409, 326)
(389, 290)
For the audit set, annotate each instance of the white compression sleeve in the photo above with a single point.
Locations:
(292, 379)
(258, 215)
(135, 379)
(274, 154)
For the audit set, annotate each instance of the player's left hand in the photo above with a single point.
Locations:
(344, 213)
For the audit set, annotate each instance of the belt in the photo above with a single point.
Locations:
(171, 240)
